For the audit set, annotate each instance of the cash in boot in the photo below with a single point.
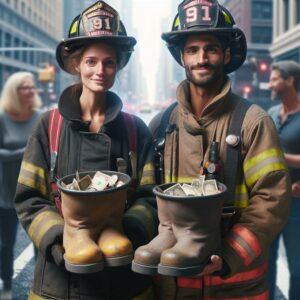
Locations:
(147, 257)
(196, 226)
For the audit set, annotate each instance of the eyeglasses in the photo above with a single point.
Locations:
(27, 88)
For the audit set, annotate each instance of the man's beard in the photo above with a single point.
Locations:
(207, 81)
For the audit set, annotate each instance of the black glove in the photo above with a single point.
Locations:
(57, 252)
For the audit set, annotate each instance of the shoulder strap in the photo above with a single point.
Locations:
(54, 128)
(165, 121)
(131, 131)
(159, 143)
(234, 152)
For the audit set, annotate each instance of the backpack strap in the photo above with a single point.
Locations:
(159, 142)
(130, 125)
(131, 131)
(164, 123)
(54, 129)
(234, 151)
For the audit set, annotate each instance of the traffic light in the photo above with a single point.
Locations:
(46, 73)
(246, 91)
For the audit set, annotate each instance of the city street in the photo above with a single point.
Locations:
(24, 265)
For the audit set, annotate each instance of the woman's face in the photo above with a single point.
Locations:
(26, 92)
(98, 68)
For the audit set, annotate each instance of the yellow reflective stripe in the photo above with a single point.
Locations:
(148, 167)
(33, 296)
(226, 17)
(33, 177)
(33, 169)
(146, 295)
(169, 179)
(177, 22)
(148, 176)
(141, 213)
(33, 184)
(265, 170)
(252, 162)
(74, 27)
(241, 203)
(42, 223)
(263, 163)
(241, 196)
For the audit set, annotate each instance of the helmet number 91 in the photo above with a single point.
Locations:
(98, 23)
(192, 14)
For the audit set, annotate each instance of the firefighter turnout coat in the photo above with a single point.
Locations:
(262, 193)
(84, 151)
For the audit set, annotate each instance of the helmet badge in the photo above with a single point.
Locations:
(100, 20)
(198, 13)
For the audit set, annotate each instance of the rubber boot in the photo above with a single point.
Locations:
(113, 243)
(83, 216)
(147, 257)
(93, 232)
(196, 226)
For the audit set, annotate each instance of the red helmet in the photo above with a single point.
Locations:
(98, 23)
(207, 16)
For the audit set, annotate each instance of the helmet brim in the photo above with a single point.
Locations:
(124, 45)
(237, 44)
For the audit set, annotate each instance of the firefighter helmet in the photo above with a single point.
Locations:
(207, 16)
(98, 23)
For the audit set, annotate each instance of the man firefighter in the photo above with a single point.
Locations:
(207, 43)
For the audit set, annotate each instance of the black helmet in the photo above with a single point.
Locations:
(98, 23)
(207, 16)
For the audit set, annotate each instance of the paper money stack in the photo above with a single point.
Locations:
(198, 187)
(99, 182)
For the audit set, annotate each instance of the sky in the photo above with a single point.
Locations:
(147, 16)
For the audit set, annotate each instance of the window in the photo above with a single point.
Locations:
(286, 8)
(298, 11)
(16, 44)
(262, 10)
(261, 35)
(8, 43)
(24, 53)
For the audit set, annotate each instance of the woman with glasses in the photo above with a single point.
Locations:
(18, 113)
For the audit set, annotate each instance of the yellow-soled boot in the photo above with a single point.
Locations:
(115, 246)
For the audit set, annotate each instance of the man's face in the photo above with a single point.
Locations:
(277, 85)
(203, 59)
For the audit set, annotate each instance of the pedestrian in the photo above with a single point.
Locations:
(19, 112)
(285, 85)
(93, 137)
(206, 41)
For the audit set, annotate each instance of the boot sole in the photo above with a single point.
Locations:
(84, 269)
(118, 261)
(144, 269)
(178, 272)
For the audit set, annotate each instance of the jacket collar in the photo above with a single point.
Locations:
(213, 109)
(69, 107)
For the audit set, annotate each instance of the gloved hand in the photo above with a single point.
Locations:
(57, 252)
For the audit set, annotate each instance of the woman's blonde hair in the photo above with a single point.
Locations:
(9, 100)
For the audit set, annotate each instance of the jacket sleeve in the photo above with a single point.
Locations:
(266, 186)
(35, 208)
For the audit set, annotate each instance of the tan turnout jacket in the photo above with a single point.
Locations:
(262, 194)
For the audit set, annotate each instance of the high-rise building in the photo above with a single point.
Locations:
(255, 19)
(286, 30)
(33, 26)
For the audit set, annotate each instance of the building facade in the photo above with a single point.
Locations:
(286, 30)
(29, 32)
(255, 18)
